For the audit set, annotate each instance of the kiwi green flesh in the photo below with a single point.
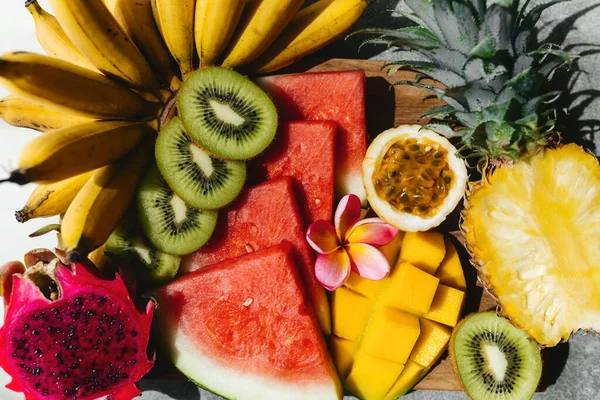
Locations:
(171, 225)
(494, 359)
(200, 179)
(227, 114)
(152, 267)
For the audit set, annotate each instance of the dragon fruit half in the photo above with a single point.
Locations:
(69, 334)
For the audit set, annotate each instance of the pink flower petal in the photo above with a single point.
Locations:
(322, 237)
(346, 214)
(333, 269)
(373, 231)
(367, 261)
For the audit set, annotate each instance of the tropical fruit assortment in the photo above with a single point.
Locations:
(184, 181)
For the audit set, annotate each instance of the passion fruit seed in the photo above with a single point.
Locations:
(414, 176)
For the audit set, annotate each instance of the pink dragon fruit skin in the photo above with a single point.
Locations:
(90, 343)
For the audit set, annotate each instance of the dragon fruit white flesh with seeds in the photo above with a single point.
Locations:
(69, 334)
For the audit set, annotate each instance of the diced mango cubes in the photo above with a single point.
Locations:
(410, 289)
(392, 249)
(367, 287)
(424, 250)
(343, 354)
(371, 377)
(447, 305)
(350, 311)
(389, 333)
(411, 374)
(431, 344)
(450, 272)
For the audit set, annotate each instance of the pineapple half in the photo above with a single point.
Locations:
(533, 223)
(534, 233)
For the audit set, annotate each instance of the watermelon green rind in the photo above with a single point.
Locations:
(243, 329)
(254, 386)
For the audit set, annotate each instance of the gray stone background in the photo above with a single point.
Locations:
(577, 25)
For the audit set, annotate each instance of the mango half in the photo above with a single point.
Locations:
(387, 334)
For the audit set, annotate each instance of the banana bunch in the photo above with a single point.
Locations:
(110, 78)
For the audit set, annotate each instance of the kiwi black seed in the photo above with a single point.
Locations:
(171, 225)
(200, 179)
(227, 114)
(495, 360)
(152, 267)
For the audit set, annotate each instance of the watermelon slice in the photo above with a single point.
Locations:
(263, 216)
(242, 329)
(305, 151)
(334, 96)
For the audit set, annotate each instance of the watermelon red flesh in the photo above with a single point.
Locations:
(304, 151)
(243, 329)
(264, 216)
(334, 96)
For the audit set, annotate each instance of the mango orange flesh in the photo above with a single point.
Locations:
(389, 333)
(413, 176)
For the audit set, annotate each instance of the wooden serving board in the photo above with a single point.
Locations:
(388, 106)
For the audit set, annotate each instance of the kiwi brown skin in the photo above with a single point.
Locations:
(451, 351)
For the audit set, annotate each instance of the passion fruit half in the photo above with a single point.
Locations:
(413, 177)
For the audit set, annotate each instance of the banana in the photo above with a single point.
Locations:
(216, 21)
(312, 28)
(97, 34)
(98, 207)
(67, 152)
(175, 20)
(26, 114)
(48, 200)
(262, 22)
(98, 258)
(111, 5)
(72, 89)
(137, 20)
(53, 38)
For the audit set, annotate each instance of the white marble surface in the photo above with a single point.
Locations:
(580, 378)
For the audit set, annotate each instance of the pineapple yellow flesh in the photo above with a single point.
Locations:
(534, 231)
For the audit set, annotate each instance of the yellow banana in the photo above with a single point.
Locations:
(71, 151)
(175, 20)
(312, 28)
(137, 20)
(72, 89)
(98, 207)
(261, 23)
(97, 34)
(111, 5)
(26, 114)
(53, 38)
(98, 258)
(216, 21)
(48, 200)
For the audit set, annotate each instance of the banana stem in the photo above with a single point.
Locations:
(19, 177)
(168, 111)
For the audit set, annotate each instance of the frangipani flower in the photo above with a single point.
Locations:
(350, 245)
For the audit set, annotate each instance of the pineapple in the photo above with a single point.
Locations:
(532, 224)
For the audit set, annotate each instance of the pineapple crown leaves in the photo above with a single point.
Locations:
(491, 69)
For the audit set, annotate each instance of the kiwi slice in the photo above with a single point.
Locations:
(200, 179)
(152, 267)
(495, 360)
(170, 224)
(227, 114)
